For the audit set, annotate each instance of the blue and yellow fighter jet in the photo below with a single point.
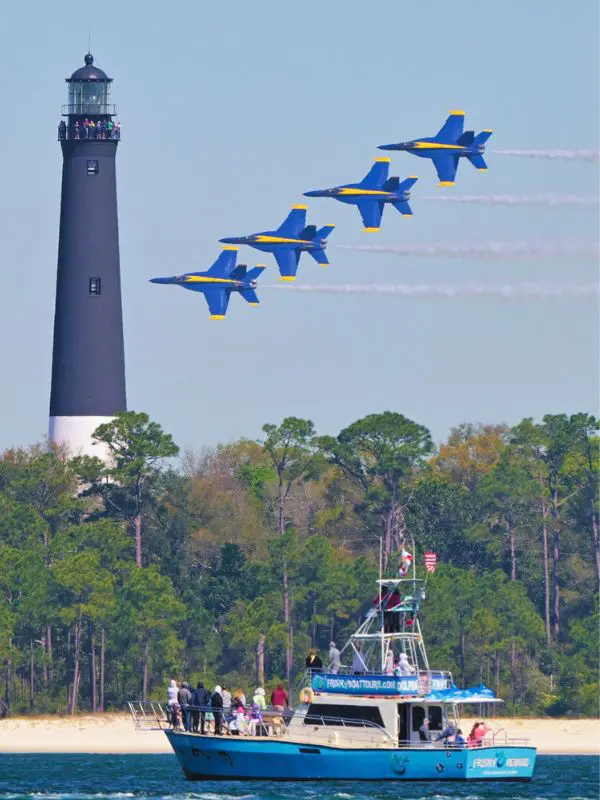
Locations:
(372, 193)
(447, 147)
(218, 282)
(291, 238)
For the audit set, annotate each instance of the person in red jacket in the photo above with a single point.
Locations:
(279, 698)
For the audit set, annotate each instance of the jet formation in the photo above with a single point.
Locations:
(370, 195)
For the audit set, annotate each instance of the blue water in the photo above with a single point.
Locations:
(86, 777)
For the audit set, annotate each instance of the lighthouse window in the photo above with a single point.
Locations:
(95, 286)
(93, 167)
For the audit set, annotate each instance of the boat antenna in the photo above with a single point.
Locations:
(381, 612)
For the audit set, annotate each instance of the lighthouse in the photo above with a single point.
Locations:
(88, 362)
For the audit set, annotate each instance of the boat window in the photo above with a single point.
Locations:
(322, 714)
(418, 715)
(435, 718)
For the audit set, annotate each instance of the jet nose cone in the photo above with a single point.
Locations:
(235, 240)
(160, 280)
(313, 193)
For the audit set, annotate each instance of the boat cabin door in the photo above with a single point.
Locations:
(403, 724)
(417, 715)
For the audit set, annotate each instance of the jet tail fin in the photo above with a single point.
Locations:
(254, 273)
(323, 232)
(478, 161)
(407, 184)
(403, 208)
(239, 273)
(308, 233)
(320, 257)
(482, 137)
(250, 296)
(466, 139)
(391, 185)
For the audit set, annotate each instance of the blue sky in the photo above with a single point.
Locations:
(229, 111)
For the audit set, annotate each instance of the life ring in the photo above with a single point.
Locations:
(307, 695)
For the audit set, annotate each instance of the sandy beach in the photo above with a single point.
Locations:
(115, 733)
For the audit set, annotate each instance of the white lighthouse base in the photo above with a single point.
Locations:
(76, 434)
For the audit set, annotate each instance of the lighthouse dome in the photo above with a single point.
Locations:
(89, 72)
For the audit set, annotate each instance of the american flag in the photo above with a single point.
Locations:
(430, 561)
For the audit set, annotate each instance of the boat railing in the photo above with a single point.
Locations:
(501, 737)
(148, 715)
(320, 723)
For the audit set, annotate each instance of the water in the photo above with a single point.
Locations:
(87, 777)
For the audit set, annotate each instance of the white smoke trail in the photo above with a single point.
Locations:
(572, 155)
(501, 290)
(519, 199)
(544, 248)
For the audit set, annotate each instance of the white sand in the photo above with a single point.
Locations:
(115, 733)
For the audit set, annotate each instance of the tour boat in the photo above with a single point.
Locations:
(362, 723)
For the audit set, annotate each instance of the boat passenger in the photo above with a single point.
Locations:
(238, 711)
(358, 664)
(471, 740)
(403, 666)
(255, 718)
(479, 733)
(239, 695)
(448, 733)
(259, 698)
(173, 703)
(424, 733)
(217, 710)
(313, 662)
(459, 740)
(389, 663)
(334, 659)
(185, 701)
(201, 700)
(279, 698)
(226, 695)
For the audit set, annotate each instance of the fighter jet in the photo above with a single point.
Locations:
(218, 282)
(291, 238)
(372, 193)
(447, 147)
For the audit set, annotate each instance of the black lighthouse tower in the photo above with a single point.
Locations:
(88, 364)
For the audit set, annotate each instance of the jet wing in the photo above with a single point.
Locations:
(218, 300)
(452, 128)
(445, 166)
(293, 223)
(287, 261)
(370, 211)
(377, 175)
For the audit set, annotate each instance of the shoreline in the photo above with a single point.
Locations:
(114, 733)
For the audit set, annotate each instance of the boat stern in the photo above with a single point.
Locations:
(500, 763)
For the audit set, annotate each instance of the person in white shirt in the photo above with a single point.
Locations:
(334, 659)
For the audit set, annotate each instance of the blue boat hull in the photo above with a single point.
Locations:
(240, 758)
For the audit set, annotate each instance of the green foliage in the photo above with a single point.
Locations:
(278, 539)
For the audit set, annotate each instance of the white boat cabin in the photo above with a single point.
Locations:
(394, 721)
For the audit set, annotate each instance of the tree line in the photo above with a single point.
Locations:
(118, 573)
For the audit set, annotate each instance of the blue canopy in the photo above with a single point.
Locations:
(475, 694)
